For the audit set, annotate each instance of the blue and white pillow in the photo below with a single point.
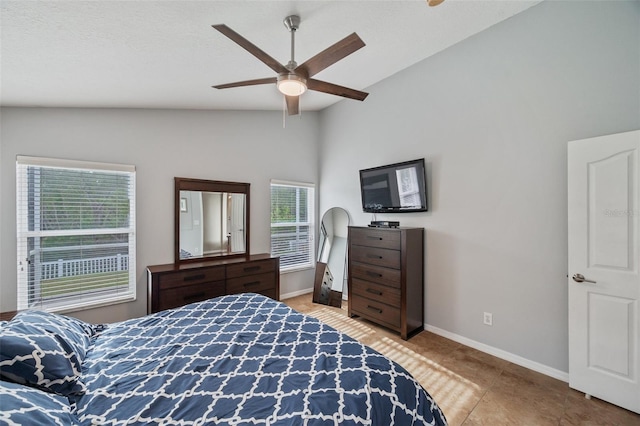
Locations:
(22, 405)
(45, 350)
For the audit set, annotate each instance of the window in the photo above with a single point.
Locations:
(76, 233)
(292, 224)
(408, 187)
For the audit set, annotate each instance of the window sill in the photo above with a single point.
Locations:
(297, 269)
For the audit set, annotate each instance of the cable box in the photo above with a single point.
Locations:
(384, 224)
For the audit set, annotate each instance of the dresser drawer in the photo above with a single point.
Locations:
(376, 274)
(269, 293)
(250, 268)
(379, 312)
(380, 293)
(186, 277)
(251, 283)
(179, 296)
(372, 237)
(172, 285)
(376, 256)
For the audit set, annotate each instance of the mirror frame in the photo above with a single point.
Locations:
(189, 184)
(334, 297)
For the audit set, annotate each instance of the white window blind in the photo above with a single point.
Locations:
(76, 233)
(292, 224)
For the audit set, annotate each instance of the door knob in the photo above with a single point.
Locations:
(579, 278)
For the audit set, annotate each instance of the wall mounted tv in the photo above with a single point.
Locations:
(394, 188)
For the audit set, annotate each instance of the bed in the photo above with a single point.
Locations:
(233, 360)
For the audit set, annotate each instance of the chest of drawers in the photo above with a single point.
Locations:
(171, 285)
(386, 277)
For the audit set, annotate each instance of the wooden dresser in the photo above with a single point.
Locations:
(173, 285)
(386, 276)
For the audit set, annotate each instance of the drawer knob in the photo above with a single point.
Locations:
(374, 238)
(194, 277)
(373, 256)
(374, 274)
(372, 308)
(376, 292)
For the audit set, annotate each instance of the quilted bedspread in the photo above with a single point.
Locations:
(240, 360)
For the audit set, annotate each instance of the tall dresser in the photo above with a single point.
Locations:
(386, 277)
(173, 285)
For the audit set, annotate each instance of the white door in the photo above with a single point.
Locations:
(604, 280)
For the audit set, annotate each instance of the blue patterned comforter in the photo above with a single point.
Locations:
(240, 360)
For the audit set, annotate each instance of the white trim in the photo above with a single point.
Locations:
(73, 164)
(296, 293)
(297, 268)
(292, 183)
(507, 356)
(83, 301)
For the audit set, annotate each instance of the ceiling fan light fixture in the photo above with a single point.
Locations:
(434, 2)
(291, 85)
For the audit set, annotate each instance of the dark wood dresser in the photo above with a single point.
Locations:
(386, 276)
(173, 285)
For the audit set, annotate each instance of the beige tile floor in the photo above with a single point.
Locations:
(472, 387)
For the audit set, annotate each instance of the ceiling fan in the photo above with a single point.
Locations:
(293, 79)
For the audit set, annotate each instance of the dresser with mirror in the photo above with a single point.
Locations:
(211, 248)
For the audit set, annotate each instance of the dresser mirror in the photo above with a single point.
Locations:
(331, 268)
(211, 219)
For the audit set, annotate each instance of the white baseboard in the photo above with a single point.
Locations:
(296, 293)
(507, 356)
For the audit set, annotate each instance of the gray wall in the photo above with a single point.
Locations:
(234, 146)
(492, 117)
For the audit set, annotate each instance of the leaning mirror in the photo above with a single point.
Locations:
(331, 268)
(211, 219)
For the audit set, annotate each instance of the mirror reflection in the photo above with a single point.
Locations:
(211, 224)
(331, 269)
(211, 219)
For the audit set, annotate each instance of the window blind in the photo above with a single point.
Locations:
(75, 233)
(292, 225)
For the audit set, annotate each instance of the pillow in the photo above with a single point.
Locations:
(22, 405)
(45, 350)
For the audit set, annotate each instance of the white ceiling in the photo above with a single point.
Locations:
(164, 54)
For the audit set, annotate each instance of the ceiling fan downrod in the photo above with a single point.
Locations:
(292, 22)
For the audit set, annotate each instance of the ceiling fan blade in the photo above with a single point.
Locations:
(334, 89)
(247, 83)
(293, 105)
(251, 48)
(331, 55)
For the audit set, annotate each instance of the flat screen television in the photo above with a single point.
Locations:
(394, 188)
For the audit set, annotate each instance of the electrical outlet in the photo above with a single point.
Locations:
(488, 318)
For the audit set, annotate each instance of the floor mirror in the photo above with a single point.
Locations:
(331, 267)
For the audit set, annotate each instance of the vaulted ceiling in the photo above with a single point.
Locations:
(165, 54)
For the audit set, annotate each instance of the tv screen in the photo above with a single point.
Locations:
(394, 188)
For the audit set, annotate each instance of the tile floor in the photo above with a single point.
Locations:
(472, 387)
